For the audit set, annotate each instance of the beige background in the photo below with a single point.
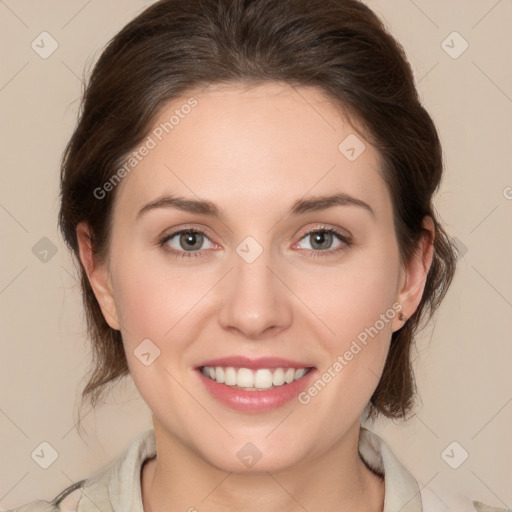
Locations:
(464, 358)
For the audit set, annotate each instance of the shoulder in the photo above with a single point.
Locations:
(35, 506)
(403, 490)
(115, 486)
(482, 507)
(433, 502)
(66, 500)
(83, 496)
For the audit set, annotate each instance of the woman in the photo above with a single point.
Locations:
(248, 193)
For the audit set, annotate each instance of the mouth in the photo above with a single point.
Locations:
(248, 379)
(255, 385)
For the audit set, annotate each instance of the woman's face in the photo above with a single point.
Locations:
(255, 284)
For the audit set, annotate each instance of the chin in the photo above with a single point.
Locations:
(251, 457)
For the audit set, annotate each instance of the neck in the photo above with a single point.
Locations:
(179, 480)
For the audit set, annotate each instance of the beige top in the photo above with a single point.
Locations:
(117, 488)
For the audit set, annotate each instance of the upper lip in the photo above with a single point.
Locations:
(254, 363)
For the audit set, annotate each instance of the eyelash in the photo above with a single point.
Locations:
(196, 254)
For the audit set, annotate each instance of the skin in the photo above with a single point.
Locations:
(254, 152)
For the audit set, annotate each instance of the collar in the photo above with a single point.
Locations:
(118, 487)
(401, 489)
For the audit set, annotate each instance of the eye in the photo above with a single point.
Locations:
(189, 242)
(186, 242)
(322, 239)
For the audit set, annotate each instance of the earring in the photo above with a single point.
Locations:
(402, 317)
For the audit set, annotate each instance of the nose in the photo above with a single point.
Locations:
(255, 301)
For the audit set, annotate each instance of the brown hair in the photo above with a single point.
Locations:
(338, 46)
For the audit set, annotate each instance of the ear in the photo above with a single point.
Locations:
(98, 275)
(415, 273)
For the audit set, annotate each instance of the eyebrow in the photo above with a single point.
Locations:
(299, 207)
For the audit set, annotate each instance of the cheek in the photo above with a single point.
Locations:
(152, 299)
(353, 296)
(355, 305)
(159, 303)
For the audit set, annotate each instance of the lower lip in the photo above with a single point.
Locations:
(256, 401)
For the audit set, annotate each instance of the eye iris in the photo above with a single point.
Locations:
(321, 238)
(194, 239)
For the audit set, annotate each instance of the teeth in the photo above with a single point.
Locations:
(278, 377)
(219, 375)
(300, 373)
(262, 379)
(245, 378)
(289, 375)
(253, 379)
(230, 377)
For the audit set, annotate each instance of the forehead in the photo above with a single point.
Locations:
(244, 147)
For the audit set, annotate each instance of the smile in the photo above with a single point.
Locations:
(257, 389)
(253, 379)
